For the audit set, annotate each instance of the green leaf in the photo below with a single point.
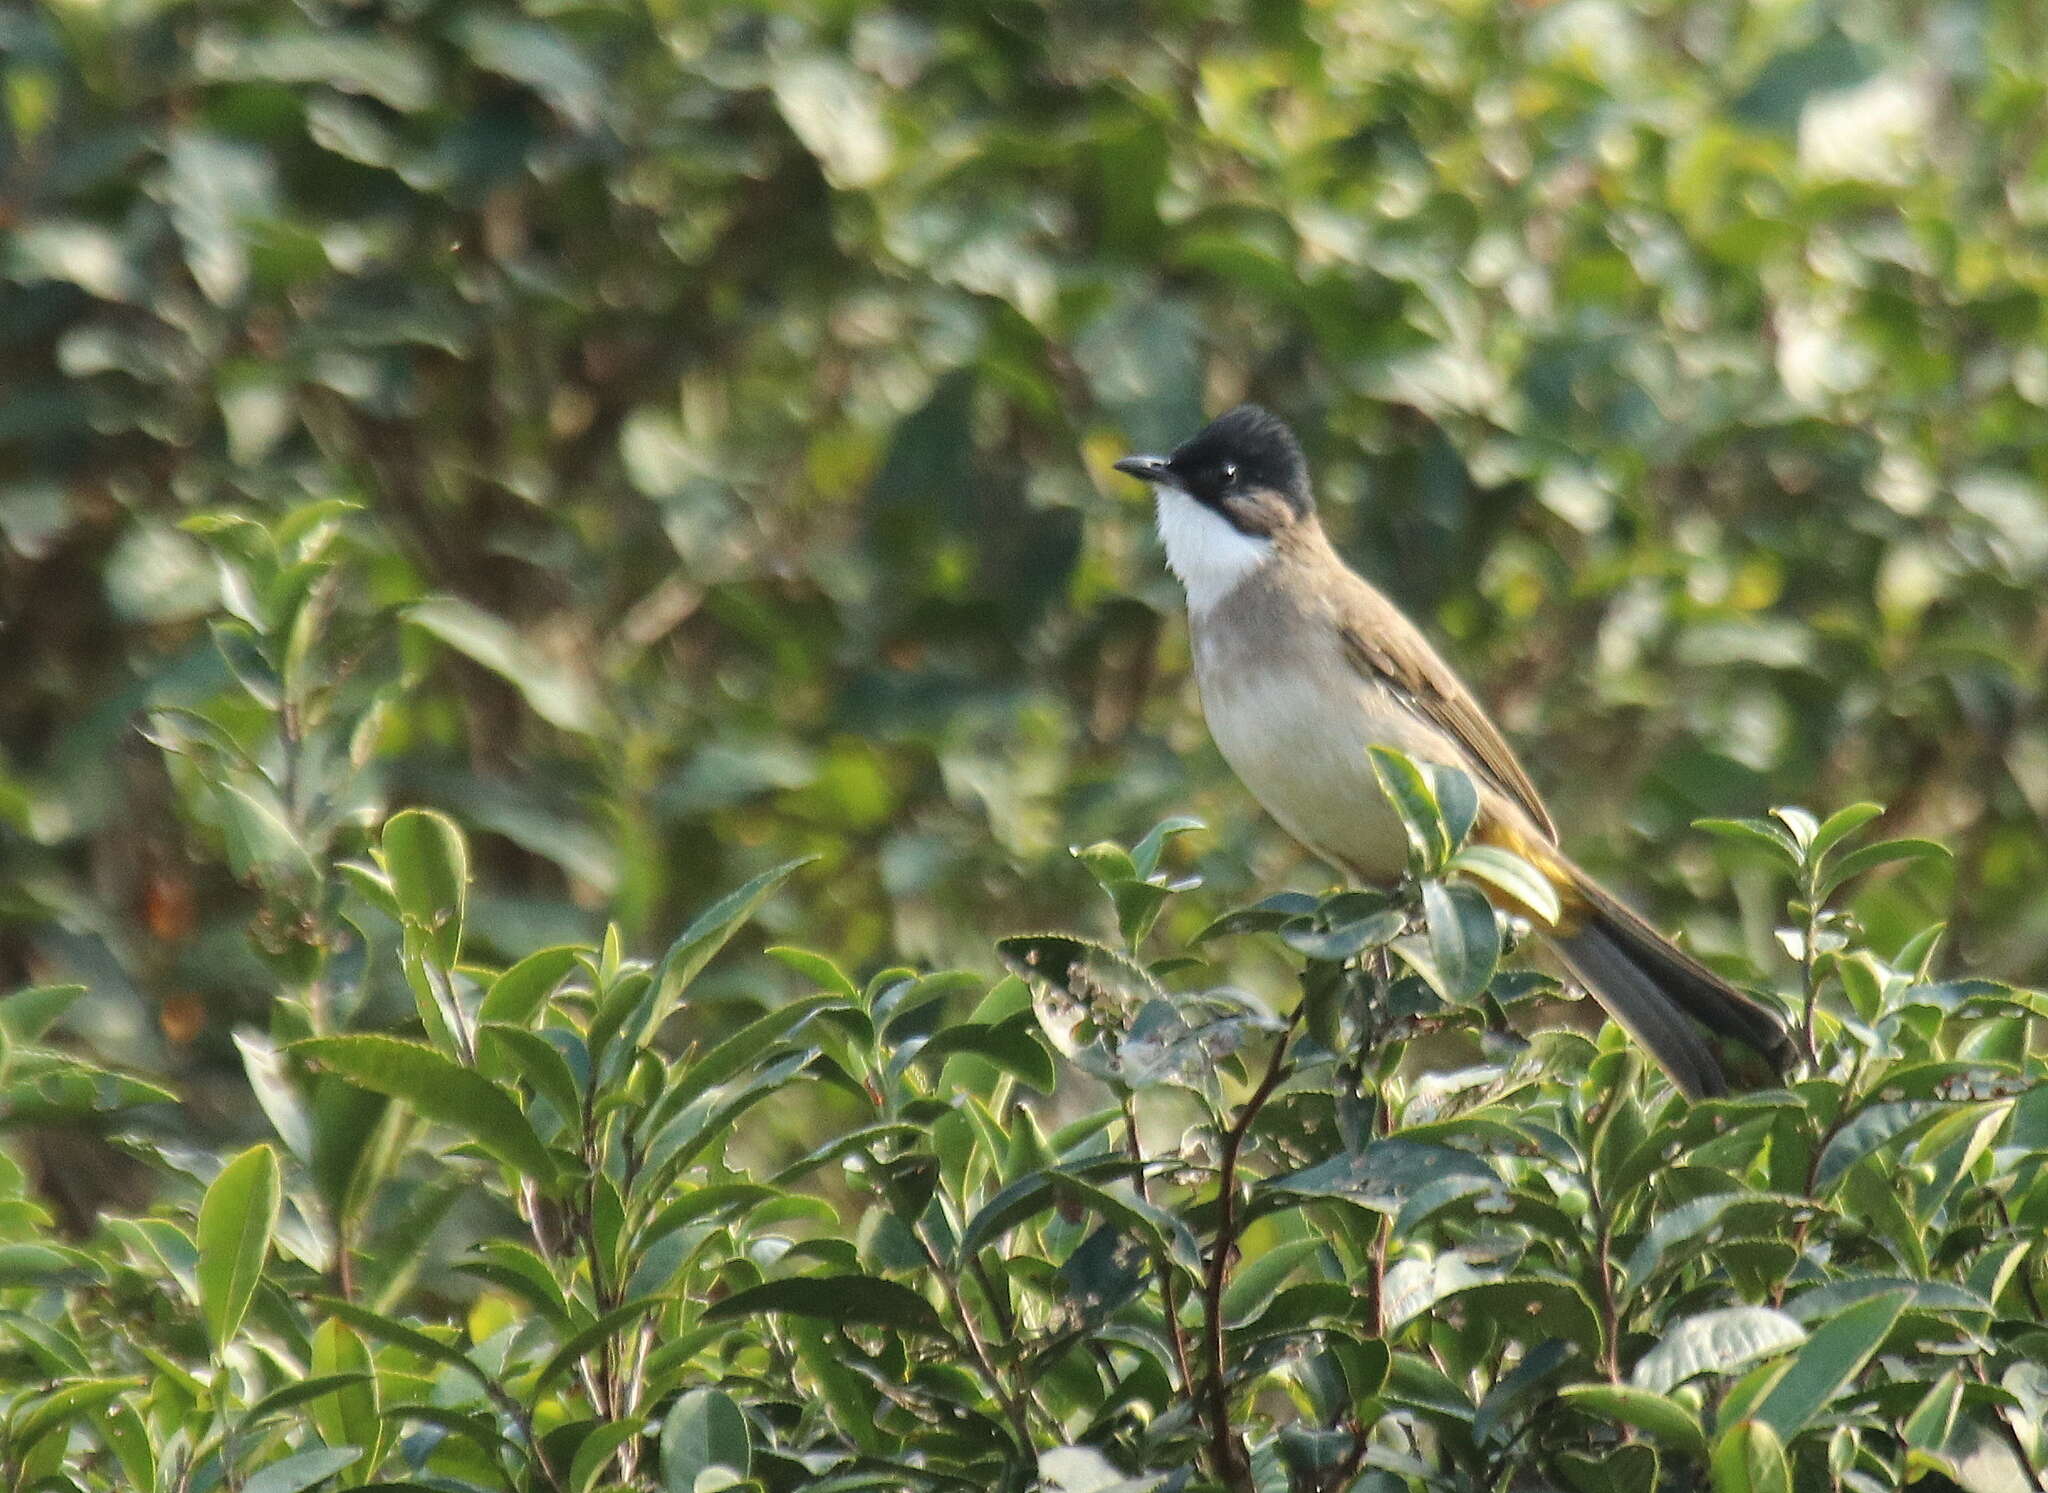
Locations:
(439, 1089)
(1257, 1279)
(702, 940)
(1758, 834)
(398, 1334)
(1750, 1458)
(429, 866)
(702, 1202)
(590, 1337)
(1839, 825)
(1464, 939)
(1011, 1045)
(347, 1413)
(517, 996)
(63, 1407)
(1715, 1342)
(557, 693)
(845, 1299)
(703, 1429)
(1409, 790)
(1344, 941)
(237, 1217)
(1385, 1174)
(1928, 1427)
(26, 1014)
(1415, 1284)
(742, 1050)
(595, 1451)
(1682, 1224)
(1138, 905)
(1802, 825)
(1653, 1414)
(540, 56)
(299, 1391)
(295, 1474)
(1830, 1362)
(513, 1049)
(1457, 800)
(1883, 853)
(1511, 874)
(816, 968)
(391, 69)
(1018, 1200)
(262, 842)
(1108, 862)
(1145, 854)
(837, 111)
(1872, 1129)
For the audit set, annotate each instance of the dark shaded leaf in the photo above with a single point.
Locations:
(845, 1299)
(439, 1089)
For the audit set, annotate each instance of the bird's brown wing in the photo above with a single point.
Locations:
(1385, 644)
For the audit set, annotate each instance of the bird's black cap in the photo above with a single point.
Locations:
(1241, 451)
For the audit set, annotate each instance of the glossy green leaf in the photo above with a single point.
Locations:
(300, 1471)
(837, 1298)
(440, 1090)
(1409, 790)
(1464, 940)
(702, 1430)
(1883, 853)
(1828, 1362)
(1653, 1414)
(1757, 834)
(1749, 1457)
(1509, 873)
(429, 868)
(1841, 824)
(517, 996)
(61, 1408)
(1715, 1342)
(236, 1221)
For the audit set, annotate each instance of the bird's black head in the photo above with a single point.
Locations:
(1243, 454)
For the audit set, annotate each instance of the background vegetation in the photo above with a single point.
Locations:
(671, 440)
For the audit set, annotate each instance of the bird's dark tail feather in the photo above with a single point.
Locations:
(1651, 986)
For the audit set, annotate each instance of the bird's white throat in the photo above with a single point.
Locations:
(1204, 549)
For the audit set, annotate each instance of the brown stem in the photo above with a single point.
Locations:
(1169, 1287)
(1013, 1405)
(1225, 1450)
(1603, 1266)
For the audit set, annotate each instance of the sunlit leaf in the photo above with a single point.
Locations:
(236, 1221)
(439, 1089)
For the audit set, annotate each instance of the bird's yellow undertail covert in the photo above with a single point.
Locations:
(1302, 666)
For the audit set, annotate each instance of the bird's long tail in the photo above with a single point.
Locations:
(1657, 991)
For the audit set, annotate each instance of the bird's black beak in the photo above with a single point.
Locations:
(1144, 468)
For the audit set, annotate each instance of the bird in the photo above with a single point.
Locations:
(1302, 665)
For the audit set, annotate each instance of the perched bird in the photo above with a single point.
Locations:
(1302, 666)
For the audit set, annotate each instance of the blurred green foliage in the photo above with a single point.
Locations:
(726, 394)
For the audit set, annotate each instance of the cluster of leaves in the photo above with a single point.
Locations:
(1112, 1223)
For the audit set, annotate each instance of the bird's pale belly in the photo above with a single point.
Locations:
(1297, 740)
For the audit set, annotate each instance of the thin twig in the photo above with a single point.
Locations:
(1224, 1449)
(1169, 1290)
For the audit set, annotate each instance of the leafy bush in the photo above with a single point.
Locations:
(556, 1222)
